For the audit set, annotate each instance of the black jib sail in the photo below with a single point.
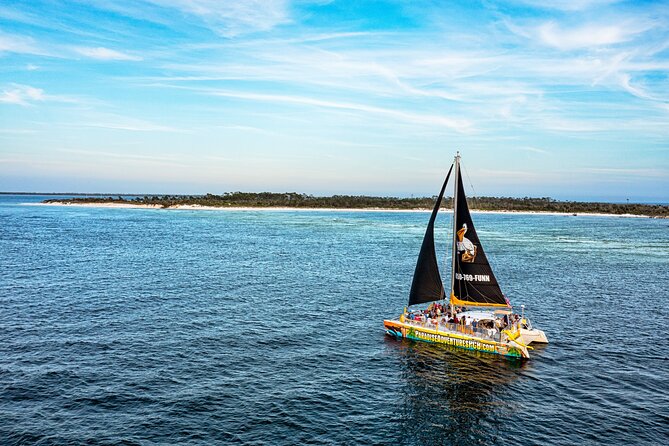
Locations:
(427, 285)
(474, 282)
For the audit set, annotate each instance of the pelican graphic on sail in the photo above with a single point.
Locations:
(466, 248)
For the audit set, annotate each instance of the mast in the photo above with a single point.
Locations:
(456, 162)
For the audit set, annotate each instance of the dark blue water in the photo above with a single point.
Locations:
(134, 326)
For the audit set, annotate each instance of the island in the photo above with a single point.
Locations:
(305, 201)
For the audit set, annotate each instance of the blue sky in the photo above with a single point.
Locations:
(568, 99)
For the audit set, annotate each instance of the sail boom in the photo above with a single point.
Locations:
(465, 303)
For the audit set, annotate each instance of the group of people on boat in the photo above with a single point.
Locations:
(438, 314)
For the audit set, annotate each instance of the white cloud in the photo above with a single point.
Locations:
(21, 45)
(24, 95)
(15, 44)
(586, 36)
(101, 53)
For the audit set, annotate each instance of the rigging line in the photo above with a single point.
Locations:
(467, 286)
(488, 299)
(474, 194)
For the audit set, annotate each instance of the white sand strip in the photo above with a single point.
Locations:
(191, 207)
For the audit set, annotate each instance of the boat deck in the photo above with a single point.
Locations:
(487, 334)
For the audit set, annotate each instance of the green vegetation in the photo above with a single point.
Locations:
(572, 207)
(295, 200)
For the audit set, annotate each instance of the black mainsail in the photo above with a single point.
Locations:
(427, 285)
(474, 283)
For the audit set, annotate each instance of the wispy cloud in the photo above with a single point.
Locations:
(482, 87)
(589, 35)
(533, 150)
(565, 124)
(119, 155)
(502, 174)
(131, 126)
(638, 91)
(27, 45)
(637, 172)
(569, 5)
(231, 18)
(26, 95)
(101, 53)
(16, 131)
(583, 36)
(460, 125)
(124, 122)
(246, 128)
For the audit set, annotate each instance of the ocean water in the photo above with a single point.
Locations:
(143, 327)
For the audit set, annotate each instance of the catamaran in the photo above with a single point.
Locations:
(477, 315)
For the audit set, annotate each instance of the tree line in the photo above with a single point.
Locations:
(297, 200)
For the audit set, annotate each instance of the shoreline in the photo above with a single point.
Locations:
(195, 207)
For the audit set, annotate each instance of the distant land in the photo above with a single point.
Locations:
(73, 194)
(304, 201)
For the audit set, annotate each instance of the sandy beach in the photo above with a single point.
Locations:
(99, 205)
(194, 207)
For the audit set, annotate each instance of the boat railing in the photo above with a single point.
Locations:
(484, 333)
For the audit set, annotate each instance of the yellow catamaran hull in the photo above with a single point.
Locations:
(510, 348)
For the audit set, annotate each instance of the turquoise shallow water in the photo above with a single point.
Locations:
(134, 326)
